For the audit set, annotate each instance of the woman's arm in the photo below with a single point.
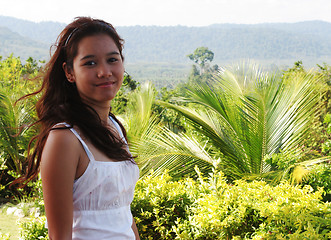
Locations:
(58, 167)
(135, 229)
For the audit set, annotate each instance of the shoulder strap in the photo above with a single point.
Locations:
(87, 150)
(118, 128)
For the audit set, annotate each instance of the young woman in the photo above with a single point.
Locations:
(88, 174)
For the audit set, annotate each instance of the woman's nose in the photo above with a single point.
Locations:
(104, 72)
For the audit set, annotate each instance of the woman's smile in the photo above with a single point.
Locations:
(105, 84)
(98, 69)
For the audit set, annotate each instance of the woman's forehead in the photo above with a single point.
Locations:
(100, 42)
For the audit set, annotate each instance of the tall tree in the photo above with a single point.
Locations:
(201, 56)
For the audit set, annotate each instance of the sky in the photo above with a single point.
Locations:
(170, 12)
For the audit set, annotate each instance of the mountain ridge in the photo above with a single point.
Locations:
(272, 43)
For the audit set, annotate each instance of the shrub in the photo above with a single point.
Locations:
(4, 236)
(157, 205)
(320, 177)
(326, 145)
(34, 229)
(17, 79)
(210, 208)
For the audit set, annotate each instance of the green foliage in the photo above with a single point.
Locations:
(280, 160)
(34, 229)
(201, 56)
(121, 99)
(319, 141)
(169, 117)
(157, 205)
(27, 206)
(15, 117)
(320, 177)
(236, 119)
(167, 75)
(4, 236)
(138, 117)
(210, 208)
(326, 145)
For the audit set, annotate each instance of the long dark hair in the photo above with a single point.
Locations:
(60, 100)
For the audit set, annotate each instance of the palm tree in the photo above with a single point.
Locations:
(14, 132)
(155, 145)
(16, 116)
(239, 117)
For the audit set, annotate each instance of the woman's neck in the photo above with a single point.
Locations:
(102, 111)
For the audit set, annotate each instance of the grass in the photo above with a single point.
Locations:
(9, 224)
(12, 225)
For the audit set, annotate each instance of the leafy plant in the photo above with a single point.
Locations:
(4, 236)
(320, 177)
(238, 118)
(15, 117)
(121, 99)
(211, 208)
(319, 140)
(158, 203)
(34, 229)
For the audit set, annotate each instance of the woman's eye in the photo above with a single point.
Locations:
(112, 59)
(90, 63)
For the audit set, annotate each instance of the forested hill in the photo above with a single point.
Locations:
(273, 43)
(297, 41)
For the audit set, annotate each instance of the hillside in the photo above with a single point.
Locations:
(42, 32)
(229, 42)
(271, 44)
(13, 43)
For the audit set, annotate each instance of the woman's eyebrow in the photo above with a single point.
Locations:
(92, 56)
(113, 53)
(87, 57)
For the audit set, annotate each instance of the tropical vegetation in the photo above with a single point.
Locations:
(236, 152)
(237, 121)
(15, 118)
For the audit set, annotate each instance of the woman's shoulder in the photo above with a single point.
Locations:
(62, 148)
(61, 134)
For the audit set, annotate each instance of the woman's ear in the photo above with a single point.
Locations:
(68, 72)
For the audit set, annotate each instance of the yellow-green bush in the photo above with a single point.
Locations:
(209, 208)
(158, 203)
(34, 229)
(4, 236)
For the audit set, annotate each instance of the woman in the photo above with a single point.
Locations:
(88, 174)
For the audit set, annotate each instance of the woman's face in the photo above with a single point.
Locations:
(97, 70)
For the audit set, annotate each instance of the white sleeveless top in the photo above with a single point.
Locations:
(102, 198)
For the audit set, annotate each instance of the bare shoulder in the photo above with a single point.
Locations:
(62, 136)
(61, 152)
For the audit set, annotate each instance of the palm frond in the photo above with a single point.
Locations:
(14, 132)
(248, 114)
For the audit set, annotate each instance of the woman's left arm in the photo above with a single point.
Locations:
(135, 229)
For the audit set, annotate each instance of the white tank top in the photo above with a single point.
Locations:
(102, 198)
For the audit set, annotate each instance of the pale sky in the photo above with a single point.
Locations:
(170, 12)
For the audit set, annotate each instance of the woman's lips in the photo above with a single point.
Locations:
(105, 84)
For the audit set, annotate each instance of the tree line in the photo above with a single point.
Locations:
(279, 43)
